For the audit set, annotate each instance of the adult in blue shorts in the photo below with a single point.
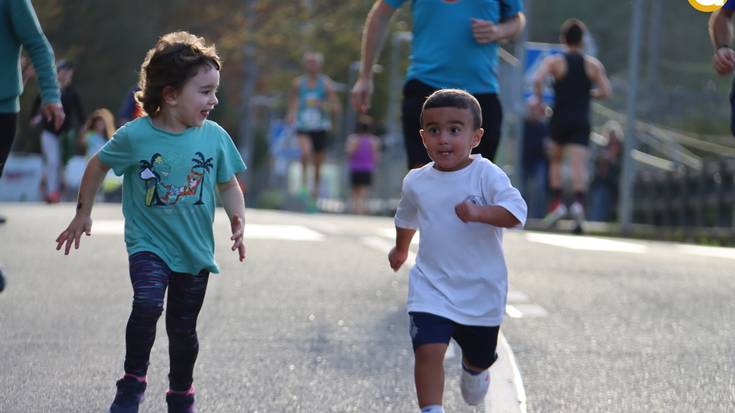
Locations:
(455, 45)
(720, 32)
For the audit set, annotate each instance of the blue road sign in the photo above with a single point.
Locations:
(535, 54)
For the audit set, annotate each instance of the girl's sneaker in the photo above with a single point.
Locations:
(474, 387)
(181, 402)
(130, 393)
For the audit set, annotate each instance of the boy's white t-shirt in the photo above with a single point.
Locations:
(460, 270)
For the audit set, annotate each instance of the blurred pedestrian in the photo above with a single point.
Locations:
(454, 45)
(97, 130)
(460, 204)
(603, 193)
(720, 33)
(130, 108)
(57, 143)
(534, 159)
(174, 161)
(577, 79)
(363, 152)
(19, 28)
(312, 103)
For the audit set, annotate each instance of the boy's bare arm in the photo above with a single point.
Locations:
(399, 253)
(234, 203)
(494, 215)
(93, 176)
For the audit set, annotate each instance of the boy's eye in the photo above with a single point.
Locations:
(433, 130)
(454, 129)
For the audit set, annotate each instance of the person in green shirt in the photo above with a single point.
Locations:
(19, 28)
(173, 161)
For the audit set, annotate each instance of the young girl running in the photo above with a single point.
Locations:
(173, 160)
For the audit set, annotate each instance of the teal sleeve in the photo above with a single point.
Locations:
(117, 153)
(396, 4)
(229, 161)
(28, 29)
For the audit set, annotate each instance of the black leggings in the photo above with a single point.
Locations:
(150, 277)
(414, 95)
(8, 123)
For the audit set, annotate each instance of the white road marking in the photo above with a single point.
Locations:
(252, 231)
(525, 311)
(576, 242)
(515, 296)
(507, 394)
(108, 227)
(281, 232)
(717, 252)
(391, 234)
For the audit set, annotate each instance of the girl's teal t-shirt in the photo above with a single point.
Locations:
(169, 188)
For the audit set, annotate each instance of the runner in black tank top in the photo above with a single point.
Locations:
(570, 123)
(574, 75)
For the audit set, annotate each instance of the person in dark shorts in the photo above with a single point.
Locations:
(312, 103)
(463, 54)
(720, 33)
(577, 78)
(363, 152)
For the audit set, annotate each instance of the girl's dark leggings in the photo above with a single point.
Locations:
(150, 277)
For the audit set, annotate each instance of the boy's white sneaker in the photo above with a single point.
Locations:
(474, 387)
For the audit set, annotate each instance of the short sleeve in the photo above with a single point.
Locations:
(509, 8)
(229, 161)
(502, 193)
(407, 212)
(396, 4)
(117, 153)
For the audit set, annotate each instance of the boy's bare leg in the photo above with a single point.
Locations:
(429, 373)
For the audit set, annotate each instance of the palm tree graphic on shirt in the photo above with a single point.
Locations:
(204, 165)
(155, 172)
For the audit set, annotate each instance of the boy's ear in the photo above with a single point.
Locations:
(421, 133)
(477, 137)
(169, 95)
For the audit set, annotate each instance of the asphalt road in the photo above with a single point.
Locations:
(314, 321)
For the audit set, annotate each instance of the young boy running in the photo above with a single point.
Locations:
(457, 289)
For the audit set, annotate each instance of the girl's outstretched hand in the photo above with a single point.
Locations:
(81, 224)
(238, 229)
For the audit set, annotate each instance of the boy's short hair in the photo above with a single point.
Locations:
(174, 60)
(572, 32)
(454, 98)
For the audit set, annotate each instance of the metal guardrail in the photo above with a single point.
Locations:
(687, 199)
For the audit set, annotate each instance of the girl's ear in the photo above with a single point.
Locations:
(170, 95)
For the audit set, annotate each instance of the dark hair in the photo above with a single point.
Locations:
(364, 124)
(454, 98)
(572, 32)
(174, 60)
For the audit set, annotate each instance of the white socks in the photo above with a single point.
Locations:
(434, 408)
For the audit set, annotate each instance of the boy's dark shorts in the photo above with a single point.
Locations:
(318, 139)
(478, 343)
